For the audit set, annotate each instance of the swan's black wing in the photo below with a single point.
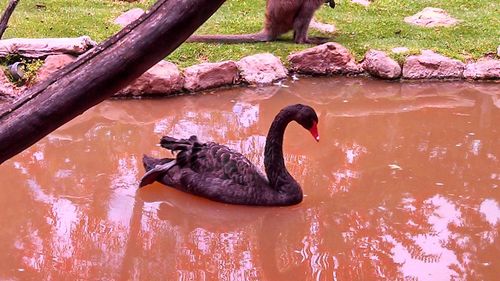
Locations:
(214, 160)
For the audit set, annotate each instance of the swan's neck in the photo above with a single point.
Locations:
(277, 174)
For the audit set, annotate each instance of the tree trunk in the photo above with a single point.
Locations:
(6, 16)
(100, 72)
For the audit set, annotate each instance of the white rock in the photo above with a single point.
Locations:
(431, 17)
(430, 65)
(52, 64)
(485, 69)
(328, 58)
(379, 64)
(261, 69)
(365, 3)
(322, 27)
(129, 16)
(210, 75)
(400, 50)
(164, 78)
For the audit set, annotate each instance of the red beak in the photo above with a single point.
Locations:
(314, 131)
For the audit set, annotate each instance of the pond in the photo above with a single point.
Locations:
(404, 184)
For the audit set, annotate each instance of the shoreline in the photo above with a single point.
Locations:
(326, 60)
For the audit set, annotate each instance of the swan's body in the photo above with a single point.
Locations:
(216, 172)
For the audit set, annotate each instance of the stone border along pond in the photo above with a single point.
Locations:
(327, 59)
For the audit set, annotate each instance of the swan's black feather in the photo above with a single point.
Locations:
(216, 172)
(213, 160)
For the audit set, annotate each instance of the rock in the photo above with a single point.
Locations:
(53, 64)
(128, 17)
(3, 77)
(163, 78)
(379, 64)
(42, 47)
(328, 58)
(483, 70)
(400, 50)
(496, 101)
(431, 17)
(261, 69)
(7, 89)
(365, 3)
(322, 27)
(210, 75)
(430, 65)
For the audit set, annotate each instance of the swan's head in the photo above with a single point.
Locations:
(306, 116)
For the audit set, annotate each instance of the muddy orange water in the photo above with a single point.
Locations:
(404, 185)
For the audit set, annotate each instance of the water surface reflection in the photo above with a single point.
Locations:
(403, 185)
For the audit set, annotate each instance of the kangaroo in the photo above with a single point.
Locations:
(281, 17)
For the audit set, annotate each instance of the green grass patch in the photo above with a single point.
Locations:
(379, 26)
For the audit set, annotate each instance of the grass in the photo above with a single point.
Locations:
(379, 26)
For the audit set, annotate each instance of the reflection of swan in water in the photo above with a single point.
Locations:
(215, 172)
(202, 213)
(260, 237)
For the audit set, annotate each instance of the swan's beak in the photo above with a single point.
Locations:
(314, 131)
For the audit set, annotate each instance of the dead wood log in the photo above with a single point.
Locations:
(100, 72)
(42, 47)
(6, 16)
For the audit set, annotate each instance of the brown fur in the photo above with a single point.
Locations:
(281, 17)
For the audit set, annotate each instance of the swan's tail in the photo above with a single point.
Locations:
(151, 162)
(155, 168)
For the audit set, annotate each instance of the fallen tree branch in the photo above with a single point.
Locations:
(42, 47)
(100, 72)
(6, 16)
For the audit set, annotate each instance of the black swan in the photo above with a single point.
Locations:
(215, 172)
